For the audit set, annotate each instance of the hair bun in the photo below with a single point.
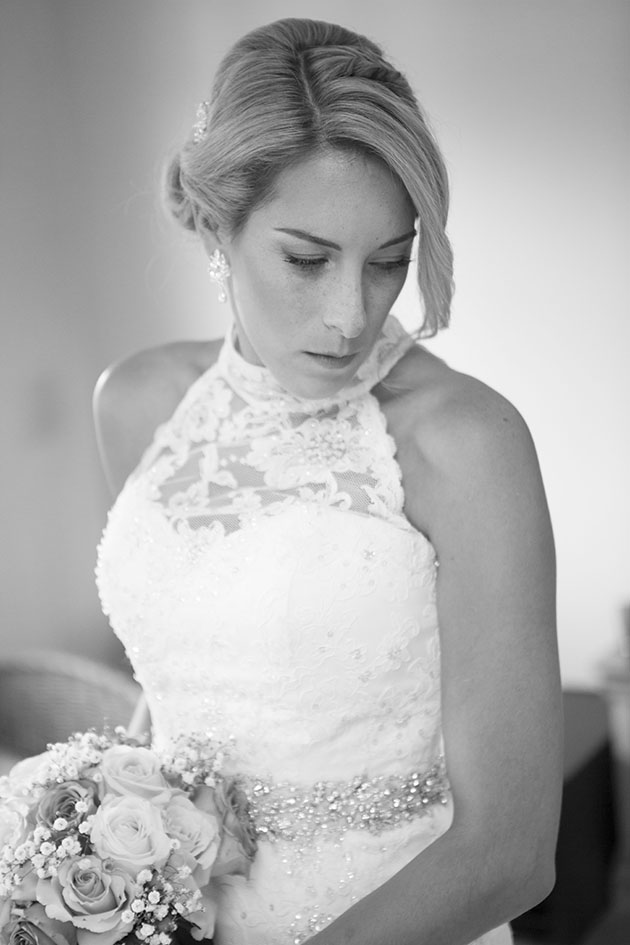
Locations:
(176, 199)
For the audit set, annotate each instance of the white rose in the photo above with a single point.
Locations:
(127, 769)
(130, 832)
(196, 830)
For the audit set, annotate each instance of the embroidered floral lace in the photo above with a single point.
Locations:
(267, 586)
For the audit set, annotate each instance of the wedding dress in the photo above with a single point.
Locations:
(267, 586)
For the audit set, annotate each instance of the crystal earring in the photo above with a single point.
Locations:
(219, 270)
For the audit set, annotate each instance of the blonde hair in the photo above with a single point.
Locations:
(292, 88)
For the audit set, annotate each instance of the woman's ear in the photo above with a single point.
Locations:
(212, 240)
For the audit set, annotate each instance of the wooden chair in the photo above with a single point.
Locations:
(45, 696)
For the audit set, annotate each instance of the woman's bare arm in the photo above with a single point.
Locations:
(140, 722)
(135, 395)
(131, 399)
(476, 490)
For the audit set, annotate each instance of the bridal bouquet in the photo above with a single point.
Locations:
(105, 840)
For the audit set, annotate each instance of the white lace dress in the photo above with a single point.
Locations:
(267, 586)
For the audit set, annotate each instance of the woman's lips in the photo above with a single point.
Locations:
(332, 360)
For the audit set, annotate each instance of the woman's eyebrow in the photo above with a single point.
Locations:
(311, 238)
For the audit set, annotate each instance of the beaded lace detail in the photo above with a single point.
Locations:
(260, 571)
(288, 812)
(241, 446)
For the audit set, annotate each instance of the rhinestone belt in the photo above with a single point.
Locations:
(285, 811)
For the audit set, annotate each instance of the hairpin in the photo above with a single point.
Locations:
(200, 128)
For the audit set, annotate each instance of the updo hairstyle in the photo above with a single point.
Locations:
(295, 87)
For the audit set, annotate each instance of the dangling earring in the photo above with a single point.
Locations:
(219, 270)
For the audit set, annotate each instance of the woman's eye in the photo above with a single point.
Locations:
(305, 262)
(312, 263)
(389, 265)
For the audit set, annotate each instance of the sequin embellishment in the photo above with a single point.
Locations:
(284, 811)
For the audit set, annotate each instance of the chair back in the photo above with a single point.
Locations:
(45, 696)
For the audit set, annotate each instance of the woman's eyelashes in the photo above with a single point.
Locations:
(314, 263)
(305, 262)
(392, 264)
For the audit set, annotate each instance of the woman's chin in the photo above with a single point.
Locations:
(320, 376)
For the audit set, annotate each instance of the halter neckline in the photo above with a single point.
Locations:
(255, 383)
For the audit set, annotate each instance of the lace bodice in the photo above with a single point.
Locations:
(267, 586)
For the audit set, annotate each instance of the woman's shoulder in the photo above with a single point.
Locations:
(452, 432)
(434, 403)
(139, 392)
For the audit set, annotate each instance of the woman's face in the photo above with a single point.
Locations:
(316, 270)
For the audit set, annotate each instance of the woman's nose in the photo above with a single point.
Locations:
(345, 309)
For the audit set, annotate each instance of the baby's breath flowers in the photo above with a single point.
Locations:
(104, 839)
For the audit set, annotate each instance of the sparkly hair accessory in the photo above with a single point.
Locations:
(200, 128)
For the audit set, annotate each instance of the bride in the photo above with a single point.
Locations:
(328, 547)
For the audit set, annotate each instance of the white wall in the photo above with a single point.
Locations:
(529, 100)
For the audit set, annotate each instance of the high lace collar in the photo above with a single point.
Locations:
(255, 383)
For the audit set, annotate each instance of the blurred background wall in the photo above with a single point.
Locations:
(529, 99)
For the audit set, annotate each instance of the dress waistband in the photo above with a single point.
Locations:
(286, 811)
